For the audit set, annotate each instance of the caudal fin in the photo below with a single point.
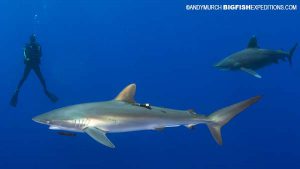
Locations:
(292, 50)
(223, 116)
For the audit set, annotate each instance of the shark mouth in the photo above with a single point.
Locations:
(53, 127)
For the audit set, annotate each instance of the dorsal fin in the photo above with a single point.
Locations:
(127, 94)
(253, 43)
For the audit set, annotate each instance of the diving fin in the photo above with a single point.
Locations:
(51, 96)
(99, 136)
(14, 99)
(251, 72)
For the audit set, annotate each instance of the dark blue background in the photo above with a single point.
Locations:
(92, 49)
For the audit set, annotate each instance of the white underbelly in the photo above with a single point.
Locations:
(138, 126)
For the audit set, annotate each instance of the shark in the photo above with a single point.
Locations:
(124, 114)
(253, 57)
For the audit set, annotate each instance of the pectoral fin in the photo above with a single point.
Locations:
(99, 136)
(252, 72)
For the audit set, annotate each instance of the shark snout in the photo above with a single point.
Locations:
(223, 65)
(40, 119)
(217, 65)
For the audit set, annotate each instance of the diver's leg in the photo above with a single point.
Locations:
(24, 77)
(14, 99)
(39, 74)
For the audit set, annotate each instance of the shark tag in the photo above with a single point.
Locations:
(99, 136)
(127, 94)
(251, 72)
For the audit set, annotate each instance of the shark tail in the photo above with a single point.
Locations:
(291, 53)
(221, 117)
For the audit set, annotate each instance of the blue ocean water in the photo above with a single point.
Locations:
(92, 49)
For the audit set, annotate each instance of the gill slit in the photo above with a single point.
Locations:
(81, 123)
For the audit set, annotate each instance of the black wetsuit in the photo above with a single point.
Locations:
(32, 60)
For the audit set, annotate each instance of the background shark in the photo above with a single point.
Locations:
(253, 58)
(123, 114)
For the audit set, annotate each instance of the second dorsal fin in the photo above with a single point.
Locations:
(253, 43)
(127, 94)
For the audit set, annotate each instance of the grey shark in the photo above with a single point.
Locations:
(123, 114)
(253, 58)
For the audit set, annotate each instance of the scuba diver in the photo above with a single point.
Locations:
(32, 58)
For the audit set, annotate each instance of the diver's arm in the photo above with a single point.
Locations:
(25, 55)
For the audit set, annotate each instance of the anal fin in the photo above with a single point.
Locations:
(190, 126)
(251, 72)
(99, 136)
